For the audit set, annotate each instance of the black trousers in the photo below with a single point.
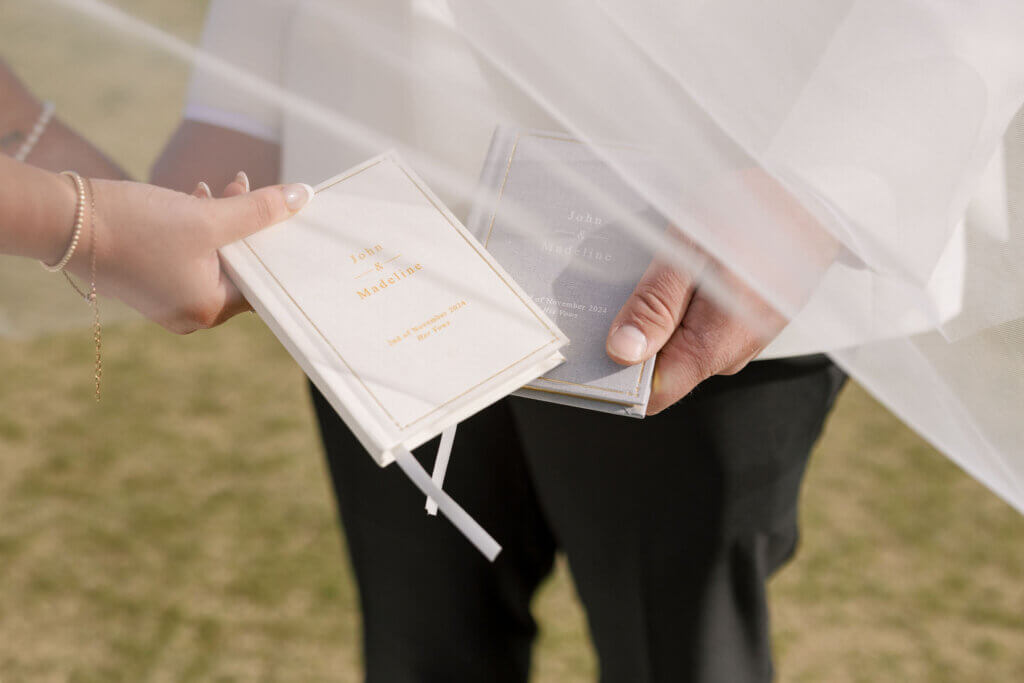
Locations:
(671, 526)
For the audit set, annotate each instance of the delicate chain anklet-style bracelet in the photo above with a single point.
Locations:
(37, 132)
(91, 296)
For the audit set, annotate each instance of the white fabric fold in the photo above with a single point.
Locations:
(858, 163)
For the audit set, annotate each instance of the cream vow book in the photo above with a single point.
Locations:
(397, 314)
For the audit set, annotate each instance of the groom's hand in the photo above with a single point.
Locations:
(694, 336)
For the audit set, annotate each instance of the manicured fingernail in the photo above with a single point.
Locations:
(627, 343)
(243, 180)
(203, 190)
(297, 196)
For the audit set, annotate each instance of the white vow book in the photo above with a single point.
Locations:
(398, 315)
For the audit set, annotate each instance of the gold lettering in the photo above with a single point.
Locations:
(391, 280)
(367, 252)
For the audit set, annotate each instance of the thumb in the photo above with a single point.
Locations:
(650, 315)
(242, 215)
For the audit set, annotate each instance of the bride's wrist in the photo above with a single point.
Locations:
(18, 115)
(57, 209)
(93, 232)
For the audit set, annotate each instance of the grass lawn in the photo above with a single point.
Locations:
(184, 530)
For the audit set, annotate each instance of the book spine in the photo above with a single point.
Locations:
(492, 176)
(289, 328)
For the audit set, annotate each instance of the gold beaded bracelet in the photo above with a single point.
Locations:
(79, 220)
(45, 116)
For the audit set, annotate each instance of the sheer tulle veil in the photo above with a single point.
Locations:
(857, 162)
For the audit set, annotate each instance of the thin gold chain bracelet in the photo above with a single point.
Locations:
(91, 296)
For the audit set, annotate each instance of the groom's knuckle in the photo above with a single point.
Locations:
(653, 304)
(699, 350)
(680, 373)
(733, 368)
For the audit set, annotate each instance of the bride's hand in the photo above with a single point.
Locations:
(156, 249)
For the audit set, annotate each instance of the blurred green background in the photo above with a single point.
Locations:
(183, 530)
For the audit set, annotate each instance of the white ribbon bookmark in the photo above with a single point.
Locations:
(459, 517)
(444, 453)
